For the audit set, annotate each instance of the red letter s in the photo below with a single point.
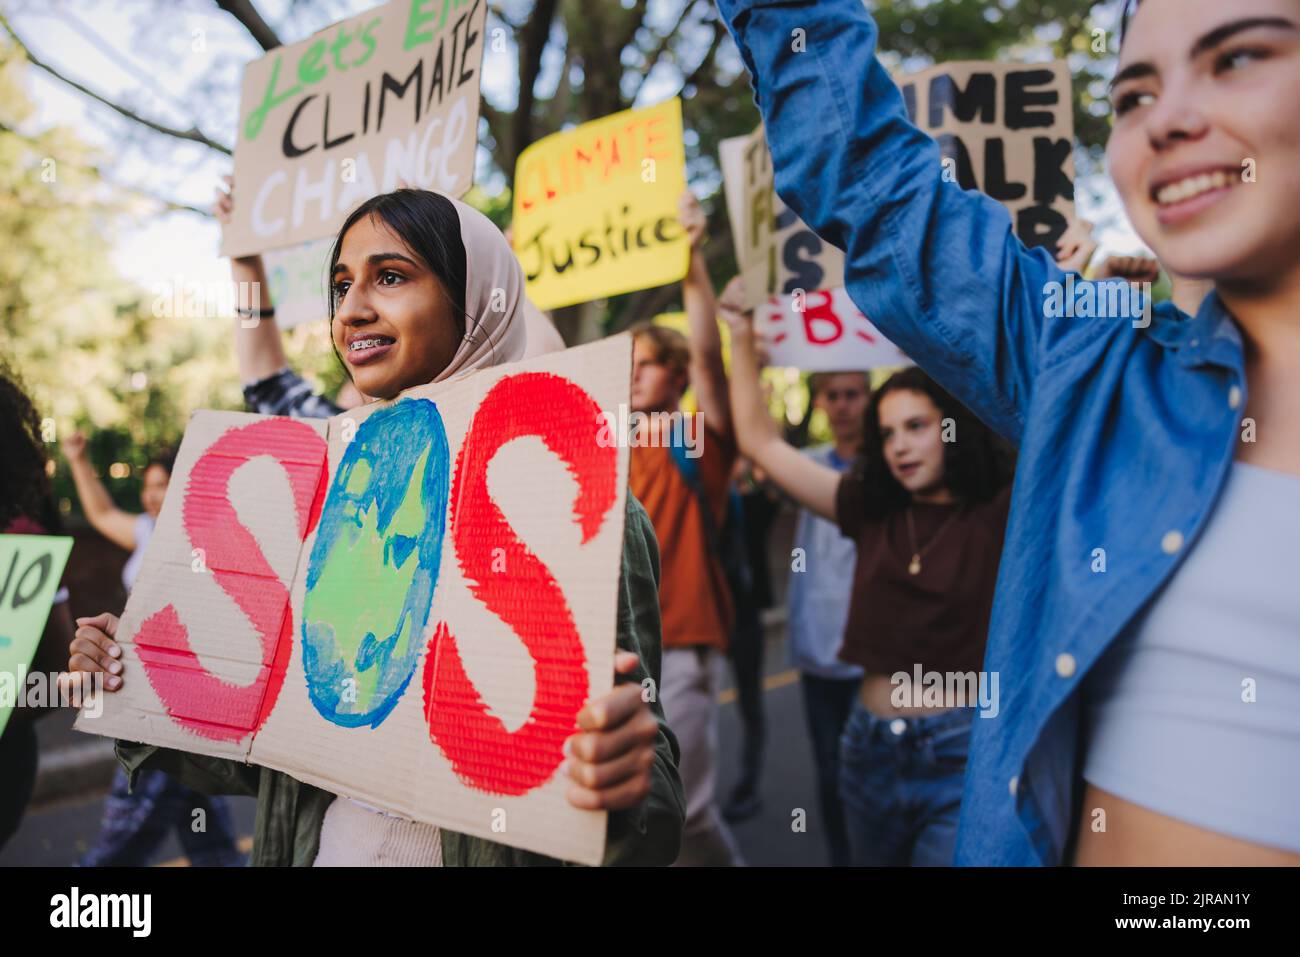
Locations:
(193, 696)
(482, 752)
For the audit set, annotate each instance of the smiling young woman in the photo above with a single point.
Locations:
(1146, 629)
(1204, 98)
(395, 319)
(426, 288)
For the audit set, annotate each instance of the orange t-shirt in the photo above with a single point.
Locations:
(694, 601)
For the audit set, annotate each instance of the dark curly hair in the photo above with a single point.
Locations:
(976, 467)
(24, 484)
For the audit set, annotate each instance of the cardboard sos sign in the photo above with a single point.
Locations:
(407, 604)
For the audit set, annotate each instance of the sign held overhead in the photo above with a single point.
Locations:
(1007, 130)
(595, 207)
(328, 122)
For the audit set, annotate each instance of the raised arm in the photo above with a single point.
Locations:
(708, 376)
(106, 518)
(809, 483)
(257, 338)
(937, 269)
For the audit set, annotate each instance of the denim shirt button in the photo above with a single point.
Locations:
(1172, 542)
(1234, 397)
(898, 726)
(1015, 783)
(1065, 665)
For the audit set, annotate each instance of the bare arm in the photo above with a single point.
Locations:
(109, 520)
(257, 339)
(809, 483)
(708, 376)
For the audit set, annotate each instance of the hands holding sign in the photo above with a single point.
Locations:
(609, 760)
(403, 628)
(1077, 247)
(740, 320)
(691, 215)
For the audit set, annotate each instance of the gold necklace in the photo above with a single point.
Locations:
(914, 566)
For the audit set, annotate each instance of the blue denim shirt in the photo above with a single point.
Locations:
(1126, 430)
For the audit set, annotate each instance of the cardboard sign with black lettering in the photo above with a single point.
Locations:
(777, 252)
(1007, 130)
(326, 123)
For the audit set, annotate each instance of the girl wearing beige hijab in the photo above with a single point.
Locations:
(424, 289)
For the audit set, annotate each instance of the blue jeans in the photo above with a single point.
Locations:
(901, 782)
(136, 823)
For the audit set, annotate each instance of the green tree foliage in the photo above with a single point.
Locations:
(98, 354)
(92, 348)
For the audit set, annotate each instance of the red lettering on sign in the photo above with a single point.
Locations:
(482, 752)
(820, 324)
(194, 697)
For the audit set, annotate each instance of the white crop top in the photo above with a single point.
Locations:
(1195, 711)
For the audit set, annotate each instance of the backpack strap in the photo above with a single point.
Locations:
(726, 549)
(690, 471)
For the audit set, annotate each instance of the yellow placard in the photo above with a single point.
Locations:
(595, 207)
